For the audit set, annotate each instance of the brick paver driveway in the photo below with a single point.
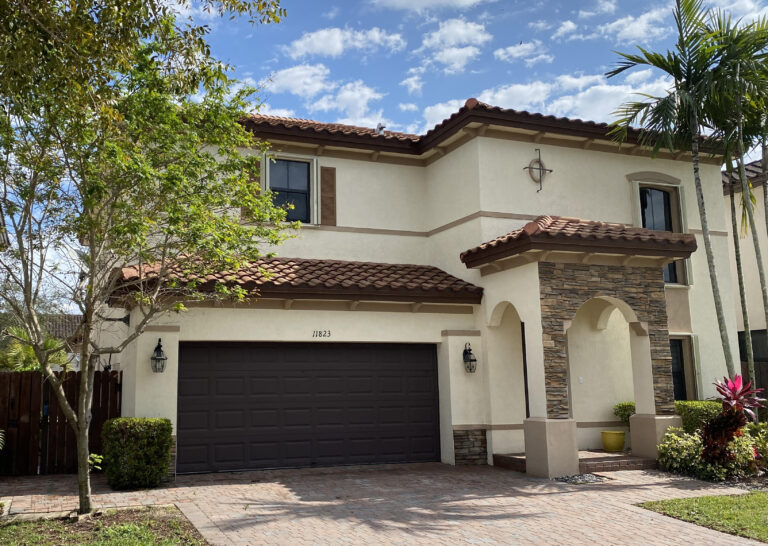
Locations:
(404, 504)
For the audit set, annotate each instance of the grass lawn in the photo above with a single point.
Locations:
(742, 515)
(157, 525)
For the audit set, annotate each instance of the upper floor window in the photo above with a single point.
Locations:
(291, 180)
(660, 211)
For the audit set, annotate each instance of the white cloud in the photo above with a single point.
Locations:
(304, 80)
(352, 101)
(413, 84)
(567, 82)
(599, 101)
(747, 9)
(565, 28)
(601, 7)
(638, 76)
(438, 112)
(455, 59)
(422, 5)
(528, 52)
(331, 13)
(643, 28)
(519, 96)
(267, 110)
(456, 32)
(540, 25)
(455, 43)
(407, 107)
(333, 42)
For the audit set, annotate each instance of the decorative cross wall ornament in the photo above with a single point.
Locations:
(537, 170)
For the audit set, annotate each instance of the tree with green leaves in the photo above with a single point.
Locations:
(677, 120)
(106, 163)
(739, 80)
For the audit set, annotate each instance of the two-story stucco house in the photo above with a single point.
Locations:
(444, 301)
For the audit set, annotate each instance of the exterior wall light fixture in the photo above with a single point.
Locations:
(158, 359)
(470, 362)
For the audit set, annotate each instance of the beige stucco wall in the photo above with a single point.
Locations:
(748, 260)
(599, 364)
(482, 176)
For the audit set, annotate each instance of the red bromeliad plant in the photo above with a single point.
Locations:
(739, 401)
(738, 396)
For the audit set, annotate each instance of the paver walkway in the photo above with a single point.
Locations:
(402, 504)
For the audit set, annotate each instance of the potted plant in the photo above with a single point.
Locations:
(613, 440)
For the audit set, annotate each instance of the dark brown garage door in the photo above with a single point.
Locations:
(270, 405)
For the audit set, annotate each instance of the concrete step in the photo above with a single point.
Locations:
(589, 462)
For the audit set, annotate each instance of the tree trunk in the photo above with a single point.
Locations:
(85, 402)
(708, 248)
(83, 469)
(742, 290)
(747, 200)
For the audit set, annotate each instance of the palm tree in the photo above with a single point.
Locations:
(676, 119)
(19, 355)
(740, 276)
(739, 80)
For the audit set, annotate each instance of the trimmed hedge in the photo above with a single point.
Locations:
(696, 412)
(137, 451)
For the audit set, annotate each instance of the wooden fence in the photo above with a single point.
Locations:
(38, 438)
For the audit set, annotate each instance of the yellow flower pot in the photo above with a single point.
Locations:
(613, 440)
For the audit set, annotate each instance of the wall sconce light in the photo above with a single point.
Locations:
(470, 362)
(158, 358)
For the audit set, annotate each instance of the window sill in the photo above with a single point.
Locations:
(677, 286)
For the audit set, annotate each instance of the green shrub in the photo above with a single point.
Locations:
(696, 412)
(680, 453)
(137, 451)
(624, 410)
(759, 434)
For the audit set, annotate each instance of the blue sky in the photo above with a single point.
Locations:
(411, 63)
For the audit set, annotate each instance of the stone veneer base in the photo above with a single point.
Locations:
(470, 447)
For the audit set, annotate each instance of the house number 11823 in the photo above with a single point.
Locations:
(321, 333)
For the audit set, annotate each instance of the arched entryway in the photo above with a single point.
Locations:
(506, 363)
(608, 362)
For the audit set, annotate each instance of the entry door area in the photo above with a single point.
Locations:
(248, 406)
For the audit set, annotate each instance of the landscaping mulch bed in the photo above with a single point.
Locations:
(757, 483)
(581, 479)
(163, 525)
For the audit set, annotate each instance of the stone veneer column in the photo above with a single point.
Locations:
(565, 287)
(551, 444)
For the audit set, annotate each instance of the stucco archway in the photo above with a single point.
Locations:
(506, 361)
(609, 361)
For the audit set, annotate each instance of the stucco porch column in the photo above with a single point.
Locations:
(146, 393)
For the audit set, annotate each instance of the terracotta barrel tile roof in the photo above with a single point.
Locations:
(329, 128)
(300, 278)
(754, 171)
(473, 111)
(577, 235)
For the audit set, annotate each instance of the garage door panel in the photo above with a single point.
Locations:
(267, 405)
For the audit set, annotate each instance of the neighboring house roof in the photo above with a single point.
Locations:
(61, 326)
(473, 111)
(300, 278)
(754, 171)
(577, 235)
